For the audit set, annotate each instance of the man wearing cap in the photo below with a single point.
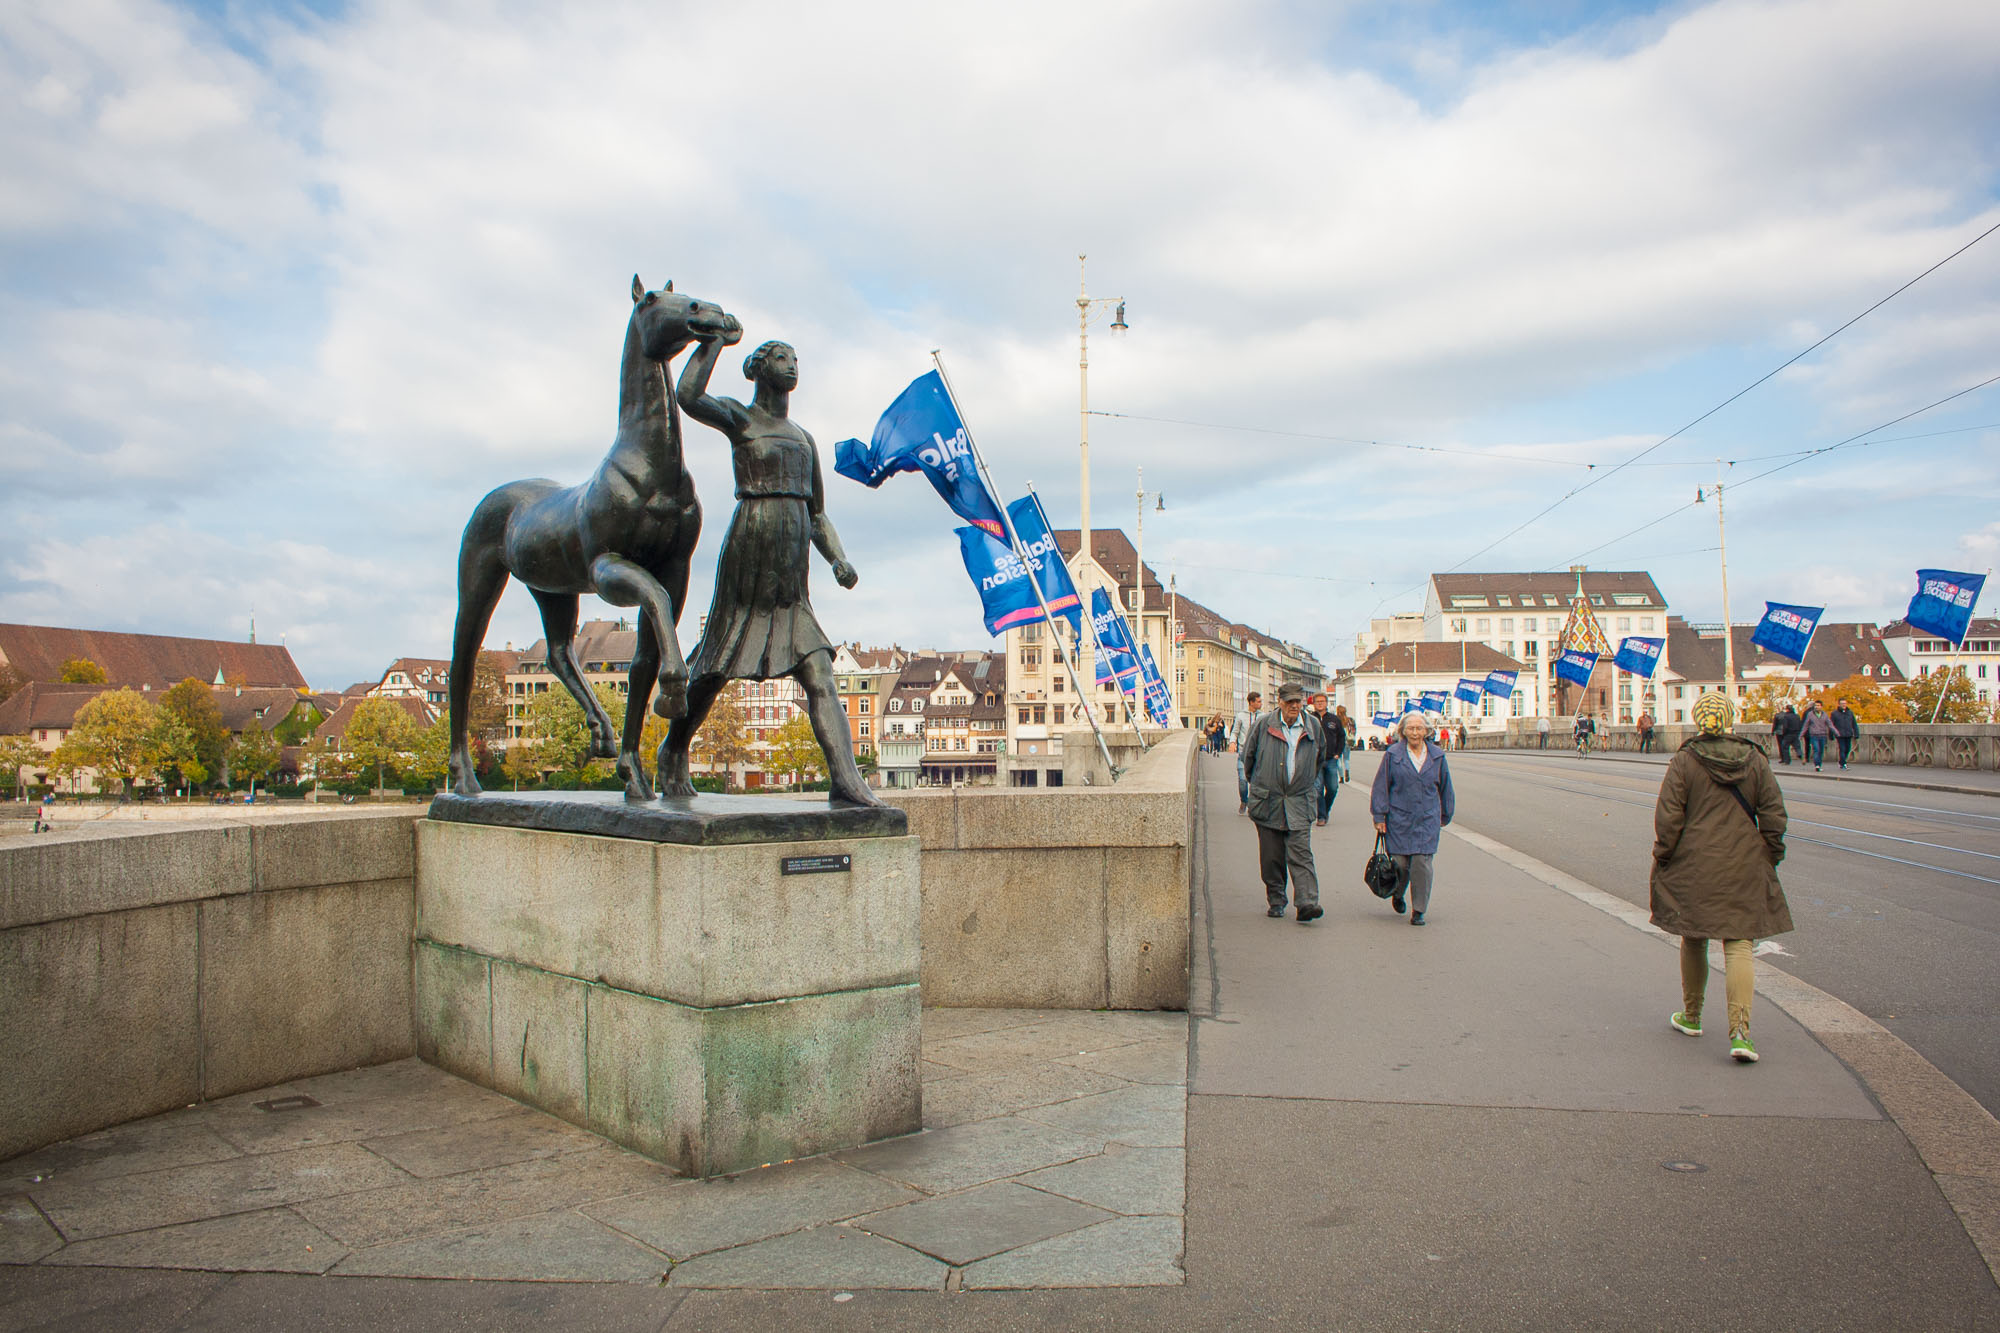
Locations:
(1281, 758)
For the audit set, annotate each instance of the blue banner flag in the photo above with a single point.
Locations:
(1434, 700)
(1413, 705)
(1943, 604)
(1115, 658)
(1576, 666)
(1005, 590)
(1384, 719)
(921, 432)
(1159, 704)
(1469, 690)
(1786, 630)
(1641, 657)
(1501, 683)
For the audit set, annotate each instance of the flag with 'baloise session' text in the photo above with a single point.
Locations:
(1501, 682)
(1944, 601)
(921, 432)
(1786, 630)
(1115, 658)
(1575, 666)
(1469, 690)
(1641, 657)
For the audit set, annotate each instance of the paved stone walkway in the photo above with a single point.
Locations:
(1053, 1156)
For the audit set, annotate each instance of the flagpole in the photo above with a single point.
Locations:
(1951, 668)
(1021, 554)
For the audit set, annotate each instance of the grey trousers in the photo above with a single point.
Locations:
(1281, 853)
(1417, 869)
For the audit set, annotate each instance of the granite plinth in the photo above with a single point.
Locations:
(706, 820)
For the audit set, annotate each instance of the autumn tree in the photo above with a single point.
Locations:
(17, 753)
(175, 749)
(487, 706)
(1961, 704)
(378, 735)
(1866, 696)
(253, 753)
(558, 734)
(82, 671)
(193, 705)
(11, 681)
(795, 751)
(433, 751)
(1762, 701)
(724, 738)
(112, 734)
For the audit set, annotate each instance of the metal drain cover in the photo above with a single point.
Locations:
(298, 1103)
(1691, 1168)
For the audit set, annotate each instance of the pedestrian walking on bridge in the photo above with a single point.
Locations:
(1412, 802)
(1333, 741)
(1239, 735)
(1281, 756)
(1719, 834)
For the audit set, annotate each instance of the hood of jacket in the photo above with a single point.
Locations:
(1727, 758)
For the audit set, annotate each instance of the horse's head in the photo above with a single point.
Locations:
(668, 322)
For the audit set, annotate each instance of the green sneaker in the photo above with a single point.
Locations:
(1741, 1050)
(1682, 1023)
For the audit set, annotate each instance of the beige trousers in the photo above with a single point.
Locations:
(1739, 981)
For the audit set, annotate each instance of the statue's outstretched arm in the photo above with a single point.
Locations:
(724, 414)
(823, 535)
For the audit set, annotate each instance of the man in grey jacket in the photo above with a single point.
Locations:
(1238, 734)
(1281, 758)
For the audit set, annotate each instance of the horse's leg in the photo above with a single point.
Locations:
(482, 577)
(845, 784)
(559, 630)
(672, 777)
(645, 659)
(624, 582)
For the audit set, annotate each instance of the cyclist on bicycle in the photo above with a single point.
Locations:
(1586, 730)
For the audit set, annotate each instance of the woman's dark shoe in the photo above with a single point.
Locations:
(1311, 914)
(1416, 918)
(1397, 903)
(1274, 911)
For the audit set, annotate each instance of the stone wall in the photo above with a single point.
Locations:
(144, 970)
(1971, 745)
(1073, 898)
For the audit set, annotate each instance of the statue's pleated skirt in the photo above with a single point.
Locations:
(760, 623)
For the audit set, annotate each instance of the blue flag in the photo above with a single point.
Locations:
(1434, 700)
(1005, 590)
(1159, 704)
(1641, 657)
(1384, 719)
(1501, 683)
(1469, 690)
(921, 432)
(1576, 666)
(1115, 658)
(1943, 604)
(1786, 630)
(1413, 705)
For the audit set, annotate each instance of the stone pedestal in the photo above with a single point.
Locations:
(707, 999)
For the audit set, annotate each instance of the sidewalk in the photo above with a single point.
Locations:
(1965, 781)
(1484, 1124)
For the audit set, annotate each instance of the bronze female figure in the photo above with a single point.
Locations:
(760, 624)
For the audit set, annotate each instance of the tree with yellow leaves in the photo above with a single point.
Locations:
(113, 735)
(795, 751)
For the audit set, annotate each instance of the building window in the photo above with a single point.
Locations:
(1624, 624)
(1531, 649)
(1507, 647)
(1402, 697)
(1486, 705)
(1458, 625)
(1374, 702)
(864, 728)
(1506, 624)
(1485, 625)
(1529, 624)
(1645, 622)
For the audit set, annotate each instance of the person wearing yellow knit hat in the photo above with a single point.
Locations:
(1719, 834)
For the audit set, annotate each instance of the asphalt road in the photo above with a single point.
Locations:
(1895, 892)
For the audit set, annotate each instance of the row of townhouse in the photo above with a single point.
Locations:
(1475, 624)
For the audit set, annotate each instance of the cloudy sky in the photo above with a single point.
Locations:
(288, 287)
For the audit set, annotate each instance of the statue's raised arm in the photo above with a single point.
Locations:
(724, 414)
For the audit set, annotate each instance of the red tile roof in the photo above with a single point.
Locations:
(159, 660)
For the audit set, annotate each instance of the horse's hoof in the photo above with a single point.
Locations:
(672, 701)
(603, 747)
(636, 786)
(676, 790)
(466, 786)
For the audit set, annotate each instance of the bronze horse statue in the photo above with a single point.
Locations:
(627, 535)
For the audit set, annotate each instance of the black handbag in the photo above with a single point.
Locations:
(1380, 874)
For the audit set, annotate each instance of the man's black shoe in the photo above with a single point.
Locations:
(1311, 914)
(1416, 918)
(1275, 911)
(1397, 903)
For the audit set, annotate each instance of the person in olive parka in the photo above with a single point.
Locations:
(1719, 836)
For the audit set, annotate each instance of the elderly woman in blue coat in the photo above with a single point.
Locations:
(1412, 801)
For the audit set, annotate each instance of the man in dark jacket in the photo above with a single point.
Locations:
(1785, 726)
(1333, 740)
(1817, 729)
(1846, 727)
(1281, 763)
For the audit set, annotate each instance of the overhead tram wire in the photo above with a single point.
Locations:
(1859, 441)
(1607, 475)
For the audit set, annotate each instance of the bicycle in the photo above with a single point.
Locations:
(1583, 745)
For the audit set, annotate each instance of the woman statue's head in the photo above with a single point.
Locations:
(774, 363)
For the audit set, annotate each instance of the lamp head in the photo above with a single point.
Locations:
(1161, 508)
(1118, 324)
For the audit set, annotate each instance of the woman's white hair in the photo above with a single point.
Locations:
(1403, 727)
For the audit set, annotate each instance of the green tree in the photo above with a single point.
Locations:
(112, 734)
(82, 671)
(17, 753)
(1920, 696)
(433, 751)
(193, 703)
(724, 738)
(379, 735)
(557, 732)
(11, 681)
(795, 751)
(299, 724)
(175, 748)
(487, 704)
(253, 753)
(520, 763)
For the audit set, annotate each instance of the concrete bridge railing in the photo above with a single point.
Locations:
(144, 967)
(1974, 745)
